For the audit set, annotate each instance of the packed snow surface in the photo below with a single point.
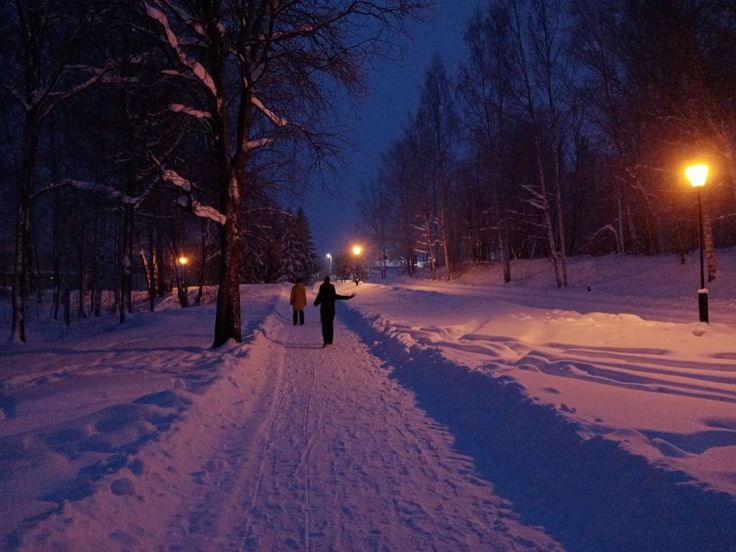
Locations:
(467, 415)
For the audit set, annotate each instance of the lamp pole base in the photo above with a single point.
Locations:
(703, 305)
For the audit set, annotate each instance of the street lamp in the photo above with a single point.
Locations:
(697, 174)
(357, 250)
(181, 287)
(329, 258)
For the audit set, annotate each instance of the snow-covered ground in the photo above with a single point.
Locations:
(447, 416)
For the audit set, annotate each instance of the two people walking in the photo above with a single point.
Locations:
(325, 300)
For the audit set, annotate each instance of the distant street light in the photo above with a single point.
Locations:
(697, 175)
(329, 258)
(183, 260)
(357, 250)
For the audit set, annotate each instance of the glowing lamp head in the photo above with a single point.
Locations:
(329, 255)
(357, 250)
(697, 174)
(183, 260)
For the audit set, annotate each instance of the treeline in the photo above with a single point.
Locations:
(565, 131)
(136, 134)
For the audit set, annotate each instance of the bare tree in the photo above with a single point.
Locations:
(43, 72)
(486, 91)
(435, 134)
(244, 62)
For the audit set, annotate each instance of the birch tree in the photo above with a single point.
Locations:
(486, 93)
(543, 194)
(435, 132)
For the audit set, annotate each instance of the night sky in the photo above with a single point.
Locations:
(393, 93)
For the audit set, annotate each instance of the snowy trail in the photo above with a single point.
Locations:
(336, 457)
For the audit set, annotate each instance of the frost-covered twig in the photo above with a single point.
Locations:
(191, 111)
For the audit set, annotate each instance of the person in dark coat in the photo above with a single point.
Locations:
(325, 300)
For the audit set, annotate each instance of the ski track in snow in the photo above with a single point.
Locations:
(342, 460)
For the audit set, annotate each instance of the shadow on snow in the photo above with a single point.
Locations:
(587, 494)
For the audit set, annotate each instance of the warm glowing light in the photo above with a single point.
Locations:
(183, 260)
(329, 255)
(357, 250)
(697, 174)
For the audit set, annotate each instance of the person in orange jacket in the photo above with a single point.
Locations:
(298, 301)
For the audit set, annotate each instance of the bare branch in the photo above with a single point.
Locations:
(194, 66)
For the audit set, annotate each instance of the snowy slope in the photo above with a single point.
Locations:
(461, 416)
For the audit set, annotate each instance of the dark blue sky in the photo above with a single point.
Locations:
(393, 93)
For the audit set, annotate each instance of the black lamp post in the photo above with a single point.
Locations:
(697, 175)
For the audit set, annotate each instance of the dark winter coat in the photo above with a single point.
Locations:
(326, 298)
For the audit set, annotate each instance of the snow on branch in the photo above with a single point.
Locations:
(193, 65)
(96, 75)
(191, 111)
(186, 18)
(275, 119)
(607, 228)
(258, 143)
(199, 209)
(205, 211)
(176, 179)
(111, 193)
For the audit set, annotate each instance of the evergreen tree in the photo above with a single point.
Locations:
(310, 262)
(298, 253)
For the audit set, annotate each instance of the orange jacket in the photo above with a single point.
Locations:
(298, 298)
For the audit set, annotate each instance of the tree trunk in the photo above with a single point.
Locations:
(430, 248)
(710, 252)
(23, 230)
(100, 262)
(202, 262)
(552, 251)
(227, 319)
(620, 243)
(56, 255)
(66, 287)
(446, 244)
(560, 215)
(148, 271)
(82, 273)
(126, 274)
(504, 249)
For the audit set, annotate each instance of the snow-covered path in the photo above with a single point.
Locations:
(329, 456)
